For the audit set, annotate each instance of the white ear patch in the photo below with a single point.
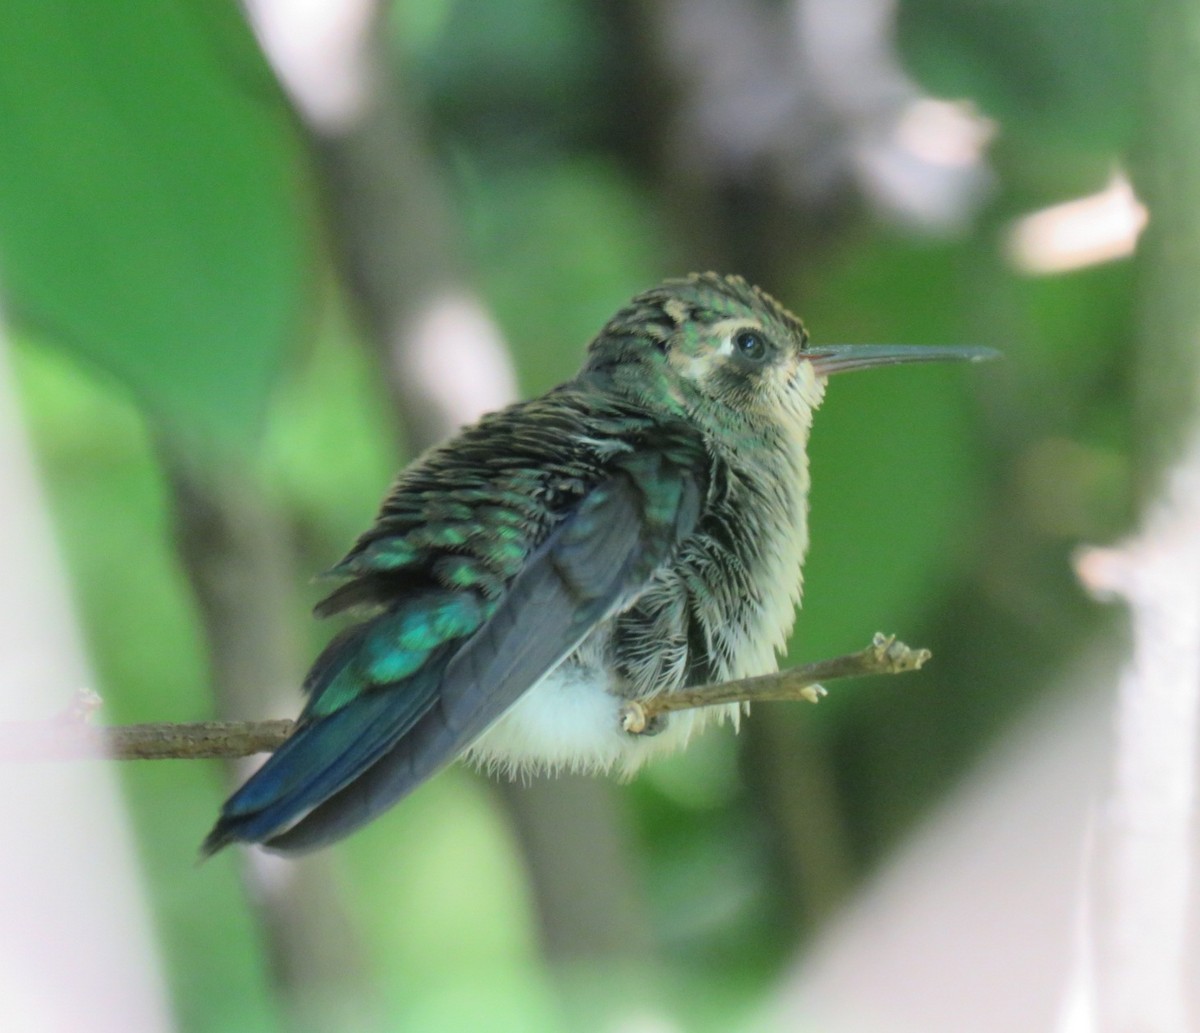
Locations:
(727, 330)
(712, 350)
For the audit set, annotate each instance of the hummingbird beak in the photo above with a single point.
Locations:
(828, 359)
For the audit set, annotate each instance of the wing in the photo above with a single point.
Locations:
(397, 697)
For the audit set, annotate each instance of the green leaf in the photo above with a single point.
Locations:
(578, 232)
(896, 463)
(150, 213)
(1064, 71)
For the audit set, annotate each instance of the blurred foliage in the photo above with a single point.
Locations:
(1064, 72)
(155, 222)
(150, 209)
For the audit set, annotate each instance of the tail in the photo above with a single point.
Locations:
(331, 748)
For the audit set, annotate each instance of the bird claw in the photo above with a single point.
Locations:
(814, 693)
(633, 717)
(635, 720)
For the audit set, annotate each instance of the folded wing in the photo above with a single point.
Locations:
(397, 697)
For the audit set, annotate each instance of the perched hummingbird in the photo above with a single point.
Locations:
(637, 530)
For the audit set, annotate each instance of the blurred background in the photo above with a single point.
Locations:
(253, 259)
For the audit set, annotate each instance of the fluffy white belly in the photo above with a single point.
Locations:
(569, 720)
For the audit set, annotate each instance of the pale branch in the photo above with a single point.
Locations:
(71, 736)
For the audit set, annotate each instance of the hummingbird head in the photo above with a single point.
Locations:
(722, 351)
(714, 348)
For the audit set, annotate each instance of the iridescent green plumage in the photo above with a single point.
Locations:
(638, 529)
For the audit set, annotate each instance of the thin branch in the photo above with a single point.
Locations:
(70, 736)
(885, 655)
(64, 739)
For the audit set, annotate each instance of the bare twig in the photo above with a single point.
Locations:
(67, 739)
(885, 655)
(70, 736)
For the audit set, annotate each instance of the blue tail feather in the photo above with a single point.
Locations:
(325, 753)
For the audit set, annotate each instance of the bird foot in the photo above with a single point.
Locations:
(636, 721)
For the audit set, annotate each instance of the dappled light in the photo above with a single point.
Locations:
(1075, 234)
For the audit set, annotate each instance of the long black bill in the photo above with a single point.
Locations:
(828, 359)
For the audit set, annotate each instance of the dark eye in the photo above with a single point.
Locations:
(751, 345)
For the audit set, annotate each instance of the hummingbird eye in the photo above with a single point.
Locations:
(751, 345)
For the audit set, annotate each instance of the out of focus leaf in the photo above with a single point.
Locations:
(894, 461)
(562, 246)
(148, 201)
(510, 73)
(1054, 69)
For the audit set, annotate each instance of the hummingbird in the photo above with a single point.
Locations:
(637, 530)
